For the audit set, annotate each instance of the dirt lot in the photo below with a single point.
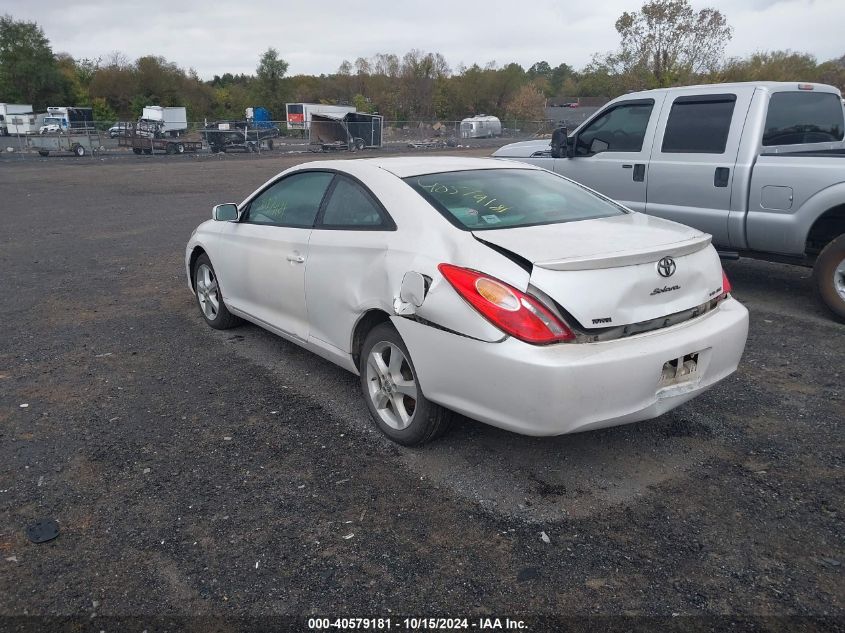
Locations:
(221, 474)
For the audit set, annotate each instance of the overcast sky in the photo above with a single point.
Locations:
(315, 37)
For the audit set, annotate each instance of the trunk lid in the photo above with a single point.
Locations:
(604, 272)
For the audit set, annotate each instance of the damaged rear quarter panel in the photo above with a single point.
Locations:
(351, 272)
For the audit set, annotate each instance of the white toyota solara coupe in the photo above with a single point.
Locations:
(491, 288)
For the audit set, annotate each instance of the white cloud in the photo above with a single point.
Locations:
(213, 37)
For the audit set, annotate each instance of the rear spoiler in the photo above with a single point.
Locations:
(629, 258)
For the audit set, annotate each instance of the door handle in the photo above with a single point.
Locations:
(721, 177)
(639, 172)
(296, 259)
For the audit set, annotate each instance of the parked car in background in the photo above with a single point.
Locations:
(759, 166)
(491, 288)
(121, 128)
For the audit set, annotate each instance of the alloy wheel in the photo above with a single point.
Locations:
(391, 385)
(208, 292)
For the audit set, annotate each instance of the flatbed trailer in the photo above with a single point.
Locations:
(147, 145)
(224, 135)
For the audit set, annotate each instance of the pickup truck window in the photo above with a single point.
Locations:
(620, 129)
(803, 117)
(699, 124)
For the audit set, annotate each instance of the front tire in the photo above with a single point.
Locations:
(209, 298)
(392, 391)
(829, 276)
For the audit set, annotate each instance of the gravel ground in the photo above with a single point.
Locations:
(232, 475)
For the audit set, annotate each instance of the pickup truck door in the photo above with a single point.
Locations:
(691, 172)
(612, 150)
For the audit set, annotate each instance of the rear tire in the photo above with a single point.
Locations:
(209, 298)
(78, 150)
(43, 152)
(136, 150)
(391, 390)
(829, 276)
(180, 148)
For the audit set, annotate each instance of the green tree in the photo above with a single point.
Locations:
(671, 41)
(28, 71)
(269, 87)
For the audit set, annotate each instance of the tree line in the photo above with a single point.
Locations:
(665, 43)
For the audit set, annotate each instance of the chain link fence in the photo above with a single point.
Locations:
(115, 138)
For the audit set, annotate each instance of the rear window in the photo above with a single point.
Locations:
(488, 199)
(295, 109)
(699, 125)
(803, 117)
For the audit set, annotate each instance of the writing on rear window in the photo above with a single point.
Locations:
(490, 199)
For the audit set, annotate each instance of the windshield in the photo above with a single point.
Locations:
(487, 199)
(51, 121)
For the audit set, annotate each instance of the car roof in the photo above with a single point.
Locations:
(408, 166)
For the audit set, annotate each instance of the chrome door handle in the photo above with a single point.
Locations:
(296, 259)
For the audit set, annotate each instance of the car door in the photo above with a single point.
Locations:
(694, 158)
(611, 152)
(263, 257)
(345, 273)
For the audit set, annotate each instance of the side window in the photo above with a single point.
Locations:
(293, 201)
(699, 125)
(621, 129)
(350, 206)
(803, 117)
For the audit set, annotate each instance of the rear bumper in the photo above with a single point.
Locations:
(566, 388)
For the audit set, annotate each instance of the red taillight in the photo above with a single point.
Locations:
(726, 285)
(510, 310)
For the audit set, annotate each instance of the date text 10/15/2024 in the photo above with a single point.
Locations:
(416, 624)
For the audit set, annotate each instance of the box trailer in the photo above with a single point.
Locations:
(66, 119)
(352, 131)
(7, 111)
(481, 126)
(158, 121)
(298, 115)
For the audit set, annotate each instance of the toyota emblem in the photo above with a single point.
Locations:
(666, 267)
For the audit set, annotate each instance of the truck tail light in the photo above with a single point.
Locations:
(512, 311)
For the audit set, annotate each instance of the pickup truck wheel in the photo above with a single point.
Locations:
(829, 276)
(43, 152)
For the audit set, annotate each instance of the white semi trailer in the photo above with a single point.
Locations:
(299, 114)
(8, 111)
(161, 121)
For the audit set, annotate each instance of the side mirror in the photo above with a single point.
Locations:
(559, 139)
(225, 212)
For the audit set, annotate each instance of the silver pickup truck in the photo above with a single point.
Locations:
(760, 166)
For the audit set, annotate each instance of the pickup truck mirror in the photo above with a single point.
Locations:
(225, 212)
(559, 140)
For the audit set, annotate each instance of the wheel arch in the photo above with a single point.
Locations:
(192, 262)
(826, 228)
(370, 319)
